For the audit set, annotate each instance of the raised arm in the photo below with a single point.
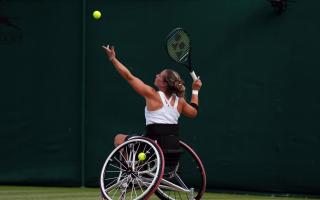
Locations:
(191, 109)
(139, 86)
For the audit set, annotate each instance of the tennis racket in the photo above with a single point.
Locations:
(178, 46)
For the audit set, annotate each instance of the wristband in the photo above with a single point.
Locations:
(195, 92)
(195, 106)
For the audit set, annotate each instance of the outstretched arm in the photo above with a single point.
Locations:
(191, 109)
(139, 86)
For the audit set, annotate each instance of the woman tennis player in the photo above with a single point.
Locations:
(163, 107)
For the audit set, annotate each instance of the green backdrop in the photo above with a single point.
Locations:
(62, 102)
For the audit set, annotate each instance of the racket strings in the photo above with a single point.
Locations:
(178, 46)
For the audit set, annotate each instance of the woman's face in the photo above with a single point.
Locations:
(159, 81)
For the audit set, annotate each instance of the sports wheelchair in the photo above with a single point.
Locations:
(169, 173)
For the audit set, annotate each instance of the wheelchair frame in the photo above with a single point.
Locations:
(145, 178)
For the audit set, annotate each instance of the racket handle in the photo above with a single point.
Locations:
(193, 75)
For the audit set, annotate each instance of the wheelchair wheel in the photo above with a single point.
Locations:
(124, 176)
(187, 181)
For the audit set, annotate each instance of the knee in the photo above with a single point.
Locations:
(119, 139)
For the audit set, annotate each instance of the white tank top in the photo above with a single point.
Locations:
(168, 114)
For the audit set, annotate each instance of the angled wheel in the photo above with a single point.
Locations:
(124, 176)
(187, 181)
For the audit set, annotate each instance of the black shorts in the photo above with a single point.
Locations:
(154, 131)
(166, 135)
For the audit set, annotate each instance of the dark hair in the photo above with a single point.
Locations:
(175, 83)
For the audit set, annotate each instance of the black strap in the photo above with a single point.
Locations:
(195, 106)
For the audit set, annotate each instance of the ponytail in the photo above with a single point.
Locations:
(175, 83)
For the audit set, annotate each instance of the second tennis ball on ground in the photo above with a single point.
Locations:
(142, 156)
(96, 14)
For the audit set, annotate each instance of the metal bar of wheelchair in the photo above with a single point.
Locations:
(180, 180)
(167, 184)
(170, 185)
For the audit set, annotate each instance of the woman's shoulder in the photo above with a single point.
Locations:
(155, 95)
(153, 91)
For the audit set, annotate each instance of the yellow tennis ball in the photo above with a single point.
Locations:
(96, 14)
(142, 156)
